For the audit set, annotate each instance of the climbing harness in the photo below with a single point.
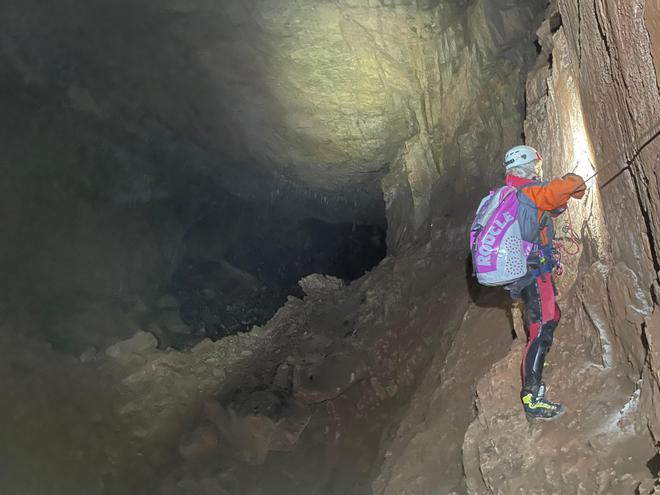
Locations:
(542, 261)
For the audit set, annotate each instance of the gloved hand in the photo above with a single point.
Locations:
(579, 185)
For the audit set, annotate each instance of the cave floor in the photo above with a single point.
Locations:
(64, 437)
(224, 418)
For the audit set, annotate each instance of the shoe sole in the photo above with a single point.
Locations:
(534, 419)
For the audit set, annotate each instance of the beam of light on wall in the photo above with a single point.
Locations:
(568, 145)
(582, 150)
(590, 210)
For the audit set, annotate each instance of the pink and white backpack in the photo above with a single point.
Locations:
(499, 254)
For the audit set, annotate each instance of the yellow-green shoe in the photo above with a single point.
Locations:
(538, 408)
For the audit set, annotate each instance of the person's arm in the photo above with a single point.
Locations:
(555, 194)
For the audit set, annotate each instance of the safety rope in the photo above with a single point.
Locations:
(572, 238)
(646, 138)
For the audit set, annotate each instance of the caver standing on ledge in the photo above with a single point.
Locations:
(538, 201)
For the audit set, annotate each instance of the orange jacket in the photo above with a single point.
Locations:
(551, 196)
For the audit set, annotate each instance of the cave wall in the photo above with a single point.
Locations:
(326, 92)
(86, 213)
(320, 103)
(605, 53)
(612, 48)
(130, 119)
(618, 219)
(591, 98)
(592, 106)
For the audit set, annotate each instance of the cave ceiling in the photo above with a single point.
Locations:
(279, 96)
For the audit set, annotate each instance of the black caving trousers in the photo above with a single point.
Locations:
(542, 315)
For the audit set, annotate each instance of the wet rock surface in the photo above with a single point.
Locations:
(598, 446)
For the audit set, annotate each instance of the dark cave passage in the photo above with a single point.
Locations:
(236, 271)
(119, 229)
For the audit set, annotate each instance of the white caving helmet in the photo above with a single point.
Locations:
(521, 156)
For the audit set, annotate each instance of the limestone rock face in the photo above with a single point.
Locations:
(622, 210)
(317, 285)
(141, 115)
(140, 343)
(334, 106)
(589, 108)
(325, 95)
(130, 120)
(594, 109)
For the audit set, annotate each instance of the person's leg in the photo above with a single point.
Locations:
(535, 355)
(532, 314)
(541, 317)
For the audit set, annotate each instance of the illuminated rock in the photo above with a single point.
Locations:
(320, 95)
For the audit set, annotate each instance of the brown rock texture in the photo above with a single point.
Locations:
(338, 104)
(592, 101)
(399, 382)
(425, 457)
(594, 108)
(155, 110)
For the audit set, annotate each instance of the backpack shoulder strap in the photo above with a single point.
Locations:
(490, 204)
(545, 217)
